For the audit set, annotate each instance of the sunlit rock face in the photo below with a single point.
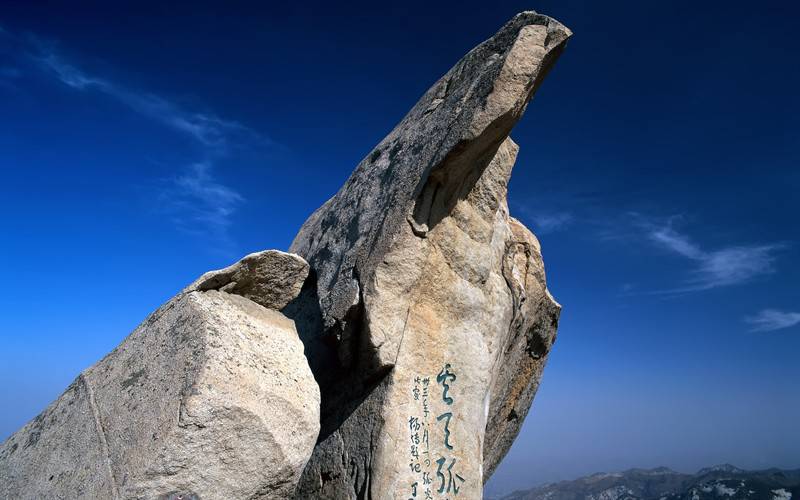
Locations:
(428, 321)
(210, 397)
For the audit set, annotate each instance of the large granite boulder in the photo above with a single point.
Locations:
(210, 397)
(428, 321)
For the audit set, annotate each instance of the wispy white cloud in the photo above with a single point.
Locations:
(198, 203)
(722, 267)
(194, 199)
(769, 320)
(551, 222)
(209, 130)
(545, 221)
(678, 243)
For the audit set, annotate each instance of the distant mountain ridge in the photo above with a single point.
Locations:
(719, 482)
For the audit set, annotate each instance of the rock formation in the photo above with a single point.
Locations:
(422, 312)
(210, 397)
(432, 299)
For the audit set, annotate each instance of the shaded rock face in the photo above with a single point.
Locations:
(210, 397)
(431, 320)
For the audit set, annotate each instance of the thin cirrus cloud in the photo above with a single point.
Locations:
(545, 221)
(722, 267)
(769, 320)
(194, 199)
(551, 222)
(197, 203)
(209, 130)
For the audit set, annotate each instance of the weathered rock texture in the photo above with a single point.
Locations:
(424, 316)
(211, 397)
(429, 320)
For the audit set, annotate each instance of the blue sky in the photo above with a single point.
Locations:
(143, 145)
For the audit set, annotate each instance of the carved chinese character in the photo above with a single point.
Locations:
(414, 490)
(447, 416)
(442, 378)
(452, 478)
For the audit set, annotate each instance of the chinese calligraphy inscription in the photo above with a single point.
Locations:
(422, 425)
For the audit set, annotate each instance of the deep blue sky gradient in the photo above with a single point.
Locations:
(143, 145)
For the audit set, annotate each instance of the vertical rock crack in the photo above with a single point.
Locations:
(101, 436)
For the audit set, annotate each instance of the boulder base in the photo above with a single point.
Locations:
(211, 397)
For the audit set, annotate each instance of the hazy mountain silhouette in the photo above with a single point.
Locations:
(719, 482)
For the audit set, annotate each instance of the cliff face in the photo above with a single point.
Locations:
(432, 299)
(420, 304)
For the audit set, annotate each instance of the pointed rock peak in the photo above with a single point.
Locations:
(432, 308)
(449, 136)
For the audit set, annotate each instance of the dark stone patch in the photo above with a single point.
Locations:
(352, 229)
(33, 438)
(35, 433)
(179, 495)
(133, 378)
(537, 347)
(324, 254)
(395, 151)
(329, 221)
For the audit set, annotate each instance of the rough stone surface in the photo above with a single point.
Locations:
(270, 278)
(423, 315)
(211, 397)
(428, 321)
